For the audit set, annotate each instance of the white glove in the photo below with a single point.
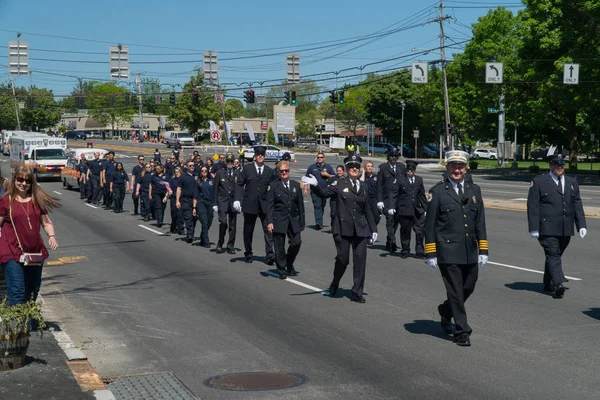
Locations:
(374, 237)
(582, 232)
(237, 206)
(432, 262)
(310, 180)
(535, 234)
(380, 205)
(216, 209)
(391, 211)
(483, 259)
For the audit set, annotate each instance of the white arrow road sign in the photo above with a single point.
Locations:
(494, 73)
(571, 75)
(419, 72)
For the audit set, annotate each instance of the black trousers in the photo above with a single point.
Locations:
(372, 201)
(107, 195)
(83, 189)
(242, 160)
(359, 260)
(249, 223)
(159, 207)
(227, 220)
(176, 220)
(146, 204)
(118, 196)
(459, 280)
(391, 226)
(187, 204)
(415, 224)
(204, 212)
(94, 196)
(554, 247)
(282, 258)
(136, 202)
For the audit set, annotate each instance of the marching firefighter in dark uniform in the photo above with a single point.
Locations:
(96, 167)
(411, 208)
(241, 155)
(456, 241)
(285, 217)
(553, 207)
(353, 225)
(387, 195)
(186, 192)
(84, 184)
(252, 201)
(225, 191)
(106, 178)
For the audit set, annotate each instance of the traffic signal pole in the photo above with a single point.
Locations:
(16, 105)
(138, 80)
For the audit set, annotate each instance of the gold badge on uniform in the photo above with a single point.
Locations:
(429, 197)
(474, 200)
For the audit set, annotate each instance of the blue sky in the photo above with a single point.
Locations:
(235, 29)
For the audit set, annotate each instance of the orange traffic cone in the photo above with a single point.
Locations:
(295, 162)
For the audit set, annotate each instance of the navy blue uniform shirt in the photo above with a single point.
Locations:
(109, 170)
(205, 189)
(371, 184)
(187, 183)
(96, 166)
(120, 177)
(83, 168)
(315, 169)
(145, 182)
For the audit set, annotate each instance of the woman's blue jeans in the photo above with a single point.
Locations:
(23, 283)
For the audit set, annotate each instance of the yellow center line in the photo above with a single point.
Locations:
(66, 260)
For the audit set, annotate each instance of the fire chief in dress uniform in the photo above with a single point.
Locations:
(285, 217)
(456, 241)
(553, 207)
(387, 195)
(353, 225)
(410, 210)
(225, 191)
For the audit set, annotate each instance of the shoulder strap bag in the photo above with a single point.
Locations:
(27, 259)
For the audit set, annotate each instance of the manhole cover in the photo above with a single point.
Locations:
(256, 381)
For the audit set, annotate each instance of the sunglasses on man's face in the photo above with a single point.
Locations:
(191, 166)
(24, 180)
(320, 157)
(284, 171)
(353, 165)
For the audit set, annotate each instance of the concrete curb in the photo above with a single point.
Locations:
(83, 372)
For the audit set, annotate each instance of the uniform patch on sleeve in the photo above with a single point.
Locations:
(429, 197)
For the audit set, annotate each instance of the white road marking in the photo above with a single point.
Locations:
(295, 282)
(57, 192)
(89, 205)
(528, 270)
(151, 230)
(519, 199)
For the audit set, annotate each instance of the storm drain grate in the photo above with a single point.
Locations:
(256, 381)
(155, 386)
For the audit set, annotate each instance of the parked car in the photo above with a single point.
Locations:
(484, 153)
(375, 148)
(427, 152)
(287, 142)
(408, 152)
(75, 135)
(272, 153)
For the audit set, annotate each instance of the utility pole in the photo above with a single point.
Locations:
(138, 81)
(16, 105)
(402, 129)
(501, 120)
(441, 19)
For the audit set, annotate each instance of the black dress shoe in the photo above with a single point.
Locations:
(318, 227)
(291, 271)
(205, 245)
(249, 259)
(333, 289)
(548, 289)
(445, 322)
(421, 256)
(394, 248)
(219, 249)
(189, 240)
(270, 261)
(388, 247)
(404, 255)
(358, 299)
(282, 273)
(559, 291)
(230, 251)
(463, 340)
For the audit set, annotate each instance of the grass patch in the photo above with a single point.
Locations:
(583, 167)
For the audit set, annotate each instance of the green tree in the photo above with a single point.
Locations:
(43, 111)
(195, 116)
(352, 114)
(306, 123)
(234, 108)
(8, 118)
(106, 104)
(151, 89)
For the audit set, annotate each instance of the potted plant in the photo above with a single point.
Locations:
(15, 325)
(473, 164)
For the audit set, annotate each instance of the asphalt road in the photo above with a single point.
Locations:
(140, 302)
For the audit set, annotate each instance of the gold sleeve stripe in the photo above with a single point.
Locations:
(483, 241)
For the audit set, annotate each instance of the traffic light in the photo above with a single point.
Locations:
(172, 98)
(249, 96)
(286, 97)
(195, 98)
(341, 97)
(332, 96)
(293, 102)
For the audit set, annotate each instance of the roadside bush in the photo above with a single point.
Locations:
(473, 164)
(534, 168)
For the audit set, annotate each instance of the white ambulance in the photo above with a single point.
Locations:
(45, 154)
(6, 135)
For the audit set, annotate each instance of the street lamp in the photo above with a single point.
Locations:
(403, 103)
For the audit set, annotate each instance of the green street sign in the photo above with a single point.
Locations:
(492, 110)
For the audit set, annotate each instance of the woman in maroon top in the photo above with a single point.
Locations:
(28, 204)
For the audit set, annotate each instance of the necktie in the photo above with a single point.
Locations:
(286, 186)
(259, 172)
(355, 186)
(560, 184)
(460, 191)
(230, 173)
(412, 181)
(394, 168)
